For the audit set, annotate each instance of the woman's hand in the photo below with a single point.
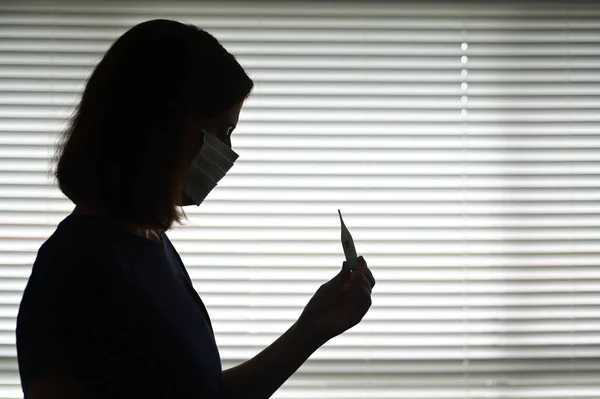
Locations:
(339, 304)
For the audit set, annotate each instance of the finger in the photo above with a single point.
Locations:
(364, 282)
(352, 283)
(363, 295)
(363, 268)
(341, 278)
(357, 282)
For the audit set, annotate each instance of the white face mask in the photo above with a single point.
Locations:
(210, 165)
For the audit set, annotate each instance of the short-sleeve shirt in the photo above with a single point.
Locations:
(118, 312)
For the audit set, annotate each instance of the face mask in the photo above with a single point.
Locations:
(210, 165)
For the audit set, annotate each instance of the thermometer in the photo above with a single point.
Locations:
(348, 245)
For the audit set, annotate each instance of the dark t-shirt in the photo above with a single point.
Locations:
(118, 312)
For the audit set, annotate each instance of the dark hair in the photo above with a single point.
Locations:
(123, 148)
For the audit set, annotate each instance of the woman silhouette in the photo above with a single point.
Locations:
(109, 310)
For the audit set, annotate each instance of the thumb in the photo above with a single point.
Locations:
(352, 282)
(342, 277)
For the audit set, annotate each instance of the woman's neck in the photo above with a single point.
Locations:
(86, 209)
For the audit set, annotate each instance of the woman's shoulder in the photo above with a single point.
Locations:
(67, 276)
(86, 239)
(86, 251)
(72, 244)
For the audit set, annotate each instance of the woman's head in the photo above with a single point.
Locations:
(138, 125)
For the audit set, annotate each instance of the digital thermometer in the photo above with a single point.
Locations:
(348, 245)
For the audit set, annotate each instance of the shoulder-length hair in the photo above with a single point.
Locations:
(122, 151)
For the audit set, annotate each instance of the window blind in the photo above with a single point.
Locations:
(460, 139)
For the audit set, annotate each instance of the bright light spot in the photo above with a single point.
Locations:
(464, 46)
(464, 59)
(464, 85)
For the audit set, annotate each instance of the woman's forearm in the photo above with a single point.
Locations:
(261, 376)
